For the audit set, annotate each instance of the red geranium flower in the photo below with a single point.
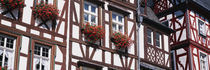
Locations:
(121, 41)
(12, 3)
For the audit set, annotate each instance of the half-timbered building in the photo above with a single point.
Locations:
(153, 40)
(113, 16)
(190, 44)
(29, 43)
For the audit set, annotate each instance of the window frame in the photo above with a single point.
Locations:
(206, 60)
(117, 22)
(40, 57)
(153, 37)
(90, 13)
(201, 32)
(6, 49)
(152, 33)
(160, 40)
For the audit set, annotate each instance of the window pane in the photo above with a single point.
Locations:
(149, 35)
(157, 38)
(1, 41)
(37, 50)
(45, 52)
(120, 28)
(1, 59)
(38, 66)
(93, 19)
(86, 17)
(93, 9)
(120, 19)
(87, 68)
(114, 17)
(86, 6)
(6, 61)
(114, 27)
(9, 43)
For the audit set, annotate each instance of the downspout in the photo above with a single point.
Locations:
(19, 52)
(139, 21)
(30, 53)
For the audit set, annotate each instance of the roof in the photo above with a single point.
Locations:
(152, 20)
(204, 3)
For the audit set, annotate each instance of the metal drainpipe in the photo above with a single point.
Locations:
(19, 52)
(30, 54)
(139, 19)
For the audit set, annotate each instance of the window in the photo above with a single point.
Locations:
(90, 13)
(158, 40)
(41, 57)
(7, 50)
(117, 22)
(203, 61)
(46, 1)
(201, 27)
(149, 36)
(87, 68)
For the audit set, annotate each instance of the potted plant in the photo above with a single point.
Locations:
(9, 5)
(45, 12)
(93, 33)
(122, 42)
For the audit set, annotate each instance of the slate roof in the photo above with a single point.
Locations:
(204, 3)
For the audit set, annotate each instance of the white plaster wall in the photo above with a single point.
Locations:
(166, 59)
(107, 35)
(35, 32)
(23, 63)
(132, 1)
(107, 17)
(183, 60)
(7, 23)
(76, 49)
(117, 61)
(132, 48)
(27, 11)
(73, 67)
(62, 28)
(180, 51)
(46, 35)
(59, 39)
(59, 55)
(106, 5)
(75, 32)
(77, 7)
(98, 56)
(20, 27)
(57, 67)
(108, 57)
(166, 41)
(195, 50)
(141, 41)
(60, 5)
(74, 60)
(196, 62)
(131, 15)
(130, 26)
(25, 45)
(105, 68)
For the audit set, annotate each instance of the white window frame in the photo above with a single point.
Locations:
(41, 58)
(6, 49)
(90, 13)
(160, 40)
(117, 22)
(201, 32)
(152, 42)
(206, 60)
(49, 1)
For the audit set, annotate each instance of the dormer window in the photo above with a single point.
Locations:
(117, 22)
(201, 27)
(90, 13)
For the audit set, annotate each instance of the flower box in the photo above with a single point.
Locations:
(9, 7)
(45, 12)
(92, 33)
(122, 42)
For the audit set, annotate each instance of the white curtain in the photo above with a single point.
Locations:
(46, 64)
(1, 51)
(10, 57)
(35, 62)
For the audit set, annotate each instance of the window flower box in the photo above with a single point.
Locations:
(122, 42)
(3, 68)
(92, 33)
(45, 12)
(8, 6)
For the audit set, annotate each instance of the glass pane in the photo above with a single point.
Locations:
(120, 28)
(157, 39)
(149, 35)
(114, 27)
(87, 68)
(45, 52)
(38, 66)
(86, 17)
(86, 6)
(1, 59)
(120, 19)
(93, 9)
(37, 50)
(1, 41)
(93, 19)
(43, 67)
(114, 17)
(9, 43)
(6, 61)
